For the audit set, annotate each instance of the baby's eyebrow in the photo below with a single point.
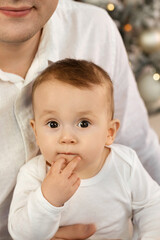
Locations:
(47, 112)
(85, 113)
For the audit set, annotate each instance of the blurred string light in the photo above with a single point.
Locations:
(156, 76)
(110, 7)
(128, 27)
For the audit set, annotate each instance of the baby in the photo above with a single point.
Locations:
(81, 176)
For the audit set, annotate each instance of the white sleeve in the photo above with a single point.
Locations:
(135, 130)
(31, 216)
(145, 195)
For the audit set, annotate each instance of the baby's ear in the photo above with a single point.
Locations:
(112, 131)
(33, 125)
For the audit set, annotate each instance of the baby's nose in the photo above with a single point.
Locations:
(68, 140)
(68, 136)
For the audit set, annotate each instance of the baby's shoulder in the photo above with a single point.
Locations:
(124, 153)
(35, 167)
(125, 160)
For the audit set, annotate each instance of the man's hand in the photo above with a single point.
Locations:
(60, 182)
(75, 232)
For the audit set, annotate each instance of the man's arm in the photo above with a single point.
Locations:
(135, 130)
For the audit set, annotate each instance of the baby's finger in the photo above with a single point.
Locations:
(77, 183)
(73, 178)
(68, 170)
(58, 166)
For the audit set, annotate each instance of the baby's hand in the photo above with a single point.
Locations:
(60, 182)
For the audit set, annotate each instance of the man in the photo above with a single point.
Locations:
(32, 35)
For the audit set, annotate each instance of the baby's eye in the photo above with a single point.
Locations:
(83, 124)
(53, 124)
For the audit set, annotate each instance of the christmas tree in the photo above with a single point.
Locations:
(139, 24)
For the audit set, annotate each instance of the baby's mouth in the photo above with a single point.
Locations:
(68, 156)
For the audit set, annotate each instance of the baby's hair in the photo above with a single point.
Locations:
(79, 73)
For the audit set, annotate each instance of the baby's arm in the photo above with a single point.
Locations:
(31, 215)
(145, 203)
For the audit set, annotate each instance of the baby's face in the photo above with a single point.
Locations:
(70, 121)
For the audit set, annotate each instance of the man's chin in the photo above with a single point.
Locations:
(18, 33)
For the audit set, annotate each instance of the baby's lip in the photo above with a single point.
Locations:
(68, 154)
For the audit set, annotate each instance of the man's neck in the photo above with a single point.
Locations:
(17, 58)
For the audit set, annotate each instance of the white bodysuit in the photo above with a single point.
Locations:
(120, 191)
